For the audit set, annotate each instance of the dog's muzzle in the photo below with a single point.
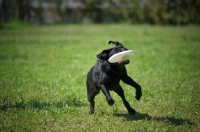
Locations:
(127, 61)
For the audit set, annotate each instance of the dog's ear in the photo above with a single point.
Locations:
(118, 44)
(104, 55)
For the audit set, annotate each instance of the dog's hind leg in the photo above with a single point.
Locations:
(92, 91)
(120, 92)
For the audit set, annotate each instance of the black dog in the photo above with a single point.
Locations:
(106, 76)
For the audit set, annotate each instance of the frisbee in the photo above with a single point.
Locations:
(121, 56)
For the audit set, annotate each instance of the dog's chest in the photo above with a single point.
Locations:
(112, 82)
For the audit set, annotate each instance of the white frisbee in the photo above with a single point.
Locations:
(121, 56)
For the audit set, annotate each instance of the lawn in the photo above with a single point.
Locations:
(43, 72)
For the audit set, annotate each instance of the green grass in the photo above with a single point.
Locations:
(43, 71)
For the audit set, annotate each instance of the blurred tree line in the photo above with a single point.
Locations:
(175, 12)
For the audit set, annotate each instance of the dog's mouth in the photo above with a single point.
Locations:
(124, 61)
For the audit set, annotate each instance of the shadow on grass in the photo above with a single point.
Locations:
(35, 104)
(142, 116)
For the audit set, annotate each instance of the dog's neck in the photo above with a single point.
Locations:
(115, 69)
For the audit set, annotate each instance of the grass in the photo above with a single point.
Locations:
(43, 71)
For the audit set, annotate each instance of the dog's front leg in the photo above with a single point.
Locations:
(107, 94)
(132, 83)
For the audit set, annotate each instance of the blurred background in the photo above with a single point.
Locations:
(166, 12)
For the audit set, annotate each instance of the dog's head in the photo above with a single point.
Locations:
(106, 54)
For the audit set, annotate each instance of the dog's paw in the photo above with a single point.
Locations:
(131, 111)
(91, 112)
(138, 94)
(111, 101)
(138, 97)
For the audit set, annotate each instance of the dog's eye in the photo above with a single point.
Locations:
(124, 48)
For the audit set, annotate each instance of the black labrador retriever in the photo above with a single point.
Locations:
(106, 76)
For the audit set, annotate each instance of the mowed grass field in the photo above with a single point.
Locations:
(43, 72)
